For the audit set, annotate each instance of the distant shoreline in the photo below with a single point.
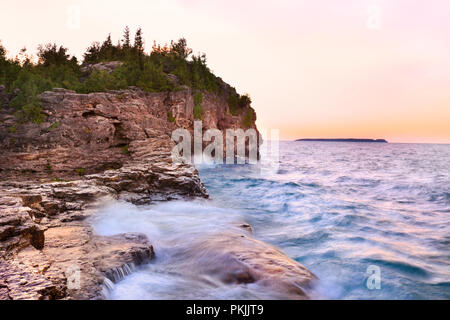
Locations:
(345, 140)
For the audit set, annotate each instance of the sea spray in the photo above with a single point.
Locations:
(202, 252)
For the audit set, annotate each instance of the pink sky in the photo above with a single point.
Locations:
(314, 68)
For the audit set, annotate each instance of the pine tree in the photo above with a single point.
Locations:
(108, 42)
(107, 49)
(139, 47)
(126, 38)
(139, 41)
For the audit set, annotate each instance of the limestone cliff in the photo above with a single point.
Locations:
(91, 148)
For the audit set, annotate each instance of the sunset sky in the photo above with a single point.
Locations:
(314, 68)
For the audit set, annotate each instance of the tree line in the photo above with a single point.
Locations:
(56, 68)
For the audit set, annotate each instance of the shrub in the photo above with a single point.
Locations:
(247, 120)
(233, 102)
(30, 113)
(170, 116)
(198, 108)
(54, 126)
(100, 80)
(125, 149)
(244, 100)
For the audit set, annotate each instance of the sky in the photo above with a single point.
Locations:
(313, 68)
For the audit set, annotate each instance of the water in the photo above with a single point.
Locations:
(337, 208)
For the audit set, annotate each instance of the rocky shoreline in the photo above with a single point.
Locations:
(95, 148)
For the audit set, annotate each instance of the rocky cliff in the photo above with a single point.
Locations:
(92, 148)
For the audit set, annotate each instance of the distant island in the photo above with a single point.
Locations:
(345, 140)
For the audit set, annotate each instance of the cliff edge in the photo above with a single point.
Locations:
(92, 148)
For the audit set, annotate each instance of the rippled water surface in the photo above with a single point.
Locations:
(337, 208)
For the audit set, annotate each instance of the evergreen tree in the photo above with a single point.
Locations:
(107, 49)
(139, 41)
(139, 47)
(180, 48)
(126, 38)
(92, 54)
(2, 52)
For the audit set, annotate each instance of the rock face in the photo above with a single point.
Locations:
(104, 131)
(109, 67)
(91, 147)
(5, 97)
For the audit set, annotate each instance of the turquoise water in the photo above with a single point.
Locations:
(337, 208)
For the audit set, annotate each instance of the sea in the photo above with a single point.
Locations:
(370, 220)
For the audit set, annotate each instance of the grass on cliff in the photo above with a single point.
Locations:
(198, 108)
(25, 77)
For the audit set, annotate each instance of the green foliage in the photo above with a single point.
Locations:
(247, 120)
(198, 98)
(193, 73)
(170, 116)
(54, 126)
(152, 78)
(237, 102)
(80, 171)
(126, 38)
(233, 102)
(57, 69)
(198, 112)
(30, 112)
(2, 52)
(198, 108)
(100, 80)
(124, 149)
(50, 54)
(244, 101)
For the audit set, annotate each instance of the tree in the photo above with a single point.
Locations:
(126, 38)
(107, 49)
(50, 54)
(92, 54)
(107, 44)
(139, 41)
(180, 48)
(139, 47)
(2, 52)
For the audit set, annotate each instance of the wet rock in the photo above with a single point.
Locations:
(239, 258)
(91, 148)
